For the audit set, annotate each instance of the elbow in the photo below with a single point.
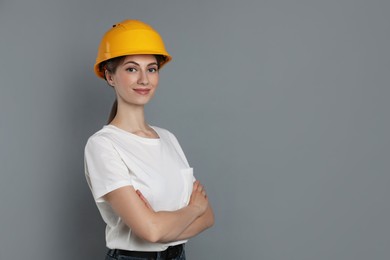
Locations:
(156, 237)
(152, 238)
(149, 230)
(152, 234)
(210, 220)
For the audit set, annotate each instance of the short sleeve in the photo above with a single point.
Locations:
(104, 169)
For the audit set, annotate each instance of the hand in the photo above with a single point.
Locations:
(146, 202)
(199, 197)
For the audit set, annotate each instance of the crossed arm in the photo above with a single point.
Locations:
(162, 226)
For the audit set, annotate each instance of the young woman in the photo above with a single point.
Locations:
(139, 176)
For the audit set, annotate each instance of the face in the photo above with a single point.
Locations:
(135, 79)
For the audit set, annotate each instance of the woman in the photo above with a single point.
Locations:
(138, 174)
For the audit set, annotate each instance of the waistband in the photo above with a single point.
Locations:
(169, 253)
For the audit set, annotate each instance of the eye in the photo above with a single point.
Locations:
(131, 69)
(152, 70)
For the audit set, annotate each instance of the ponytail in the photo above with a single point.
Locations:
(113, 112)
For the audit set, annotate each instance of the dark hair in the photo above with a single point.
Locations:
(111, 65)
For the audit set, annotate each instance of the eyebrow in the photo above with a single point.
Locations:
(153, 63)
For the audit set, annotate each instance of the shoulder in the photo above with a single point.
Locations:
(166, 135)
(99, 139)
(162, 132)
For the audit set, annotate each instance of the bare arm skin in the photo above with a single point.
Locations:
(162, 226)
(203, 222)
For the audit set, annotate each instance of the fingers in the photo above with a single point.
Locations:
(139, 193)
(199, 197)
(195, 185)
(199, 188)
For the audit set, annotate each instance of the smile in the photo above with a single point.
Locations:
(142, 91)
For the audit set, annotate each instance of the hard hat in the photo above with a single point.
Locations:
(130, 37)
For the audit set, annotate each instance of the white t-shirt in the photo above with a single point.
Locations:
(157, 167)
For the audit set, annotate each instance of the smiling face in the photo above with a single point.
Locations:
(135, 79)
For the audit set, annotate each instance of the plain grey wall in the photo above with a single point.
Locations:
(281, 107)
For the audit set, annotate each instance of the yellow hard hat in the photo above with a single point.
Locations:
(128, 38)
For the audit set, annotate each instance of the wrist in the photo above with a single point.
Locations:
(195, 209)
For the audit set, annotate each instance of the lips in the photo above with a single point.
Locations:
(142, 91)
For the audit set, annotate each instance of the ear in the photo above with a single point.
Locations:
(109, 78)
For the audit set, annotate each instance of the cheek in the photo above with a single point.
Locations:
(126, 81)
(155, 80)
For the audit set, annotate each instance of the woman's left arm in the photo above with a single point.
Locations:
(202, 223)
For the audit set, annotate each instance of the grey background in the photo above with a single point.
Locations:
(281, 107)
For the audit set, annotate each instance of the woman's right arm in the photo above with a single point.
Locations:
(206, 220)
(154, 226)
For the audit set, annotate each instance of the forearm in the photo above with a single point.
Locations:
(168, 225)
(200, 224)
(163, 226)
(146, 223)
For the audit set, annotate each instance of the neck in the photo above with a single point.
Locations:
(130, 118)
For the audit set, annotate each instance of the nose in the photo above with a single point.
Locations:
(143, 79)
